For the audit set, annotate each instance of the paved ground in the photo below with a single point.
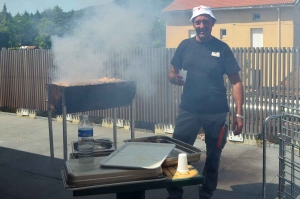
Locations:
(25, 169)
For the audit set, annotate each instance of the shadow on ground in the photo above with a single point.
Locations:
(238, 189)
(31, 176)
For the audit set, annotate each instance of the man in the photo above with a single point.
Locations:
(204, 100)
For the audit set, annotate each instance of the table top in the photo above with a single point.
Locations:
(173, 178)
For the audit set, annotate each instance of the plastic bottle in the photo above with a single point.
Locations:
(85, 138)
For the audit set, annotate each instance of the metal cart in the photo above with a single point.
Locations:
(289, 153)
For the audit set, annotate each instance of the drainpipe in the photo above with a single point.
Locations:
(279, 27)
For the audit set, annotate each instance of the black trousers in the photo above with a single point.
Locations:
(186, 130)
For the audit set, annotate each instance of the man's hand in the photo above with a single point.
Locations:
(238, 95)
(237, 125)
(179, 80)
(174, 77)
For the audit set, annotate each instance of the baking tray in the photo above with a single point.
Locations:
(138, 155)
(74, 188)
(81, 174)
(193, 153)
(102, 147)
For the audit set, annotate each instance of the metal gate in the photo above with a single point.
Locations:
(289, 153)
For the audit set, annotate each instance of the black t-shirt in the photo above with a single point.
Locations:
(206, 63)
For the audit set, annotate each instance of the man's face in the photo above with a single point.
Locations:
(203, 25)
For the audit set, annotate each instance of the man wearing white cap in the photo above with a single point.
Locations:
(204, 99)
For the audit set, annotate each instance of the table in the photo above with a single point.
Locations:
(137, 190)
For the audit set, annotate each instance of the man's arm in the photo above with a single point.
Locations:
(238, 95)
(174, 76)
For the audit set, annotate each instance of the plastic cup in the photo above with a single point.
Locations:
(183, 74)
(182, 163)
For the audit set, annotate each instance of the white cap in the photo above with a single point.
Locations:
(201, 10)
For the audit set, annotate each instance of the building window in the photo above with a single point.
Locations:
(257, 37)
(192, 33)
(256, 17)
(223, 33)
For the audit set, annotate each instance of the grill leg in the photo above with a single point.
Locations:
(50, 128)
(114, 128)
(51, 136)
(64, 112)
(132, 120)
(65, 134)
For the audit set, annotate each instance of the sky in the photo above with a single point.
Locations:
(31, 6)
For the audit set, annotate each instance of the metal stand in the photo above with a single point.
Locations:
(289, 147)
(64, 117)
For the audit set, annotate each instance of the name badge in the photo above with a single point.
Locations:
(215, 54)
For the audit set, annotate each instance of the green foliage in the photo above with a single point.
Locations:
(43, 41)
(36, 29)
(6, 28)
(158, 33)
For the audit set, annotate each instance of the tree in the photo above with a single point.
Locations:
(4, 36)
(37, 29)
(26, 29)
(158, 32)
(6, 28)
(46, 28)
(153, 11)
(44, 42)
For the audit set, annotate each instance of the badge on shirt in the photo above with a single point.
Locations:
(215, 54)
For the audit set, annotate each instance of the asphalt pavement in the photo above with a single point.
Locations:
(26, 171)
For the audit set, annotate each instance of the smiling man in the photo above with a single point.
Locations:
(204, 101)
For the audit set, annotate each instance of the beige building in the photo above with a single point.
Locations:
(253, 23)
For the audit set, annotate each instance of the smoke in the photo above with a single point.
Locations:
(81, 55)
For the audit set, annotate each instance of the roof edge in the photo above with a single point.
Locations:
(243, 7)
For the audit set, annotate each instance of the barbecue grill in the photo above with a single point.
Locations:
(64, 99)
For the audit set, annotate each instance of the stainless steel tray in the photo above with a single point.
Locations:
(138, 155)
(193, 153)
(72, 188)
(102, 147)
(82, 174)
